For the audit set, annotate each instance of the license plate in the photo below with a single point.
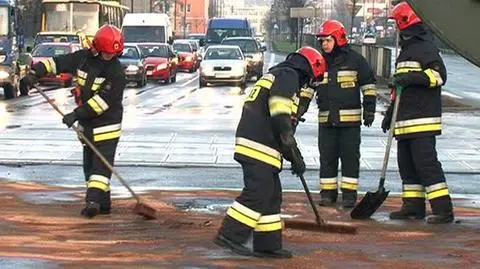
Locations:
(149, 73)
(222, 76)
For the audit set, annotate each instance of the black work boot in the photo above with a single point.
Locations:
(349, 198)
(276, 254)
(328, 197)
(412, 208)
(442, 211)
(90, 210)
(106, 204)
(238, 248)
(95, 201)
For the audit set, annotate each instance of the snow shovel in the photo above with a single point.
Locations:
(140, 208)
(373, 200)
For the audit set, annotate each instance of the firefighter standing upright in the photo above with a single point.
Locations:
(340, 113)
(264, 135)
(421, 73)
(99, 94)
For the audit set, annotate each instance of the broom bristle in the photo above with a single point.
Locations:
(145, 211)
(326, 227)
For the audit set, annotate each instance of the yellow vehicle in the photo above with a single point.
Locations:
(80, 17)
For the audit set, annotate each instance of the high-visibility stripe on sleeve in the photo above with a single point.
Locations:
(264, 83)
(280, 105)
(434, 78)
(243, 214)
(349, 183)
(97, 83)
(269, 223)
(99, 182)
(307, 92)
(328, 183)
(408, 66)
(413, 191)
(369, 90)
(98, 104)
(107, 132)
(50, 65)
(437, 190)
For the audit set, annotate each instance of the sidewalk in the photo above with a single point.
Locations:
(41, 228)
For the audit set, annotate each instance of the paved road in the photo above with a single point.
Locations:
(167, 127)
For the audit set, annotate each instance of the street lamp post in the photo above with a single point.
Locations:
(185, 19)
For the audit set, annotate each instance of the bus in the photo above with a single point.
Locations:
(220, 28)
(83, 17)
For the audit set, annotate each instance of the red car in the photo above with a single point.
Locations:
(160, 62)
(47, 50)
(187, 55)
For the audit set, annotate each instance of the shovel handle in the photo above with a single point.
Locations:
(91, 146)
(318, 219)
(390, 138)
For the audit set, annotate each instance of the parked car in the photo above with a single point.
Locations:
(223, 64)
(252, 51)
(187, 56)
(197, 36)
(47, 50)
(369, 39)
(132, 62)
(160, 62)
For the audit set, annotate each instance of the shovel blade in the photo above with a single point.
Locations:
(369, 204)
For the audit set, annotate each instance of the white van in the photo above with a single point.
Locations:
(147, 27)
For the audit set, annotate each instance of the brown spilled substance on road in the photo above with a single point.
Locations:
(42, 225)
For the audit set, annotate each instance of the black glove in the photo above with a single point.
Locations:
(292, 154)
(411, 79)
(30, 80)
(368, 118)
(69, 119)
(387, 119)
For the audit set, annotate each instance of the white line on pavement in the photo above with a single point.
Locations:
(449, 94)
(189, 81)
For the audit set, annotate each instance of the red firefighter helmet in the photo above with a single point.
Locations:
(336, 29)
(317, 64)
(404, 16)
(108, 39)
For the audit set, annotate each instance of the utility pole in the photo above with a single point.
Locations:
(131, 6)
(185, 19)
(175, 16)
(353, 16)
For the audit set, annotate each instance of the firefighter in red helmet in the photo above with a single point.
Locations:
(421, 73)
(99, 94)
(264, 137)
(341, 110)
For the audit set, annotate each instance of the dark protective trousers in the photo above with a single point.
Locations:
(257, 209)
(97, 174)
(336, 143)
(421, 172)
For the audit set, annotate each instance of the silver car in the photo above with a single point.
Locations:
(223, 64)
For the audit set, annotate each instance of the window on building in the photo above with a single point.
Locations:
(189, 7)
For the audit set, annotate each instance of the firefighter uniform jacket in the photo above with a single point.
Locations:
(101, 91)
(420, 107)
(266, 114)
(338, 96)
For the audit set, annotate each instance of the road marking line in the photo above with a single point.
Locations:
(449, 94)
(189, 81)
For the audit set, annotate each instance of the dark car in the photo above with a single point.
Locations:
(252, 51)
(132, 62)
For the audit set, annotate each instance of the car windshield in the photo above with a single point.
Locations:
(217, 35)
(49, 51)
(182, 47)
(144, 34)
(57, 38)
(130, 53)
(154, 51)
(246, 45)
(223, 54)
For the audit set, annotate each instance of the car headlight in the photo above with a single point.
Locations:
(3, 58)
(188, 58)
(132, 68)
(162, 66)
(257, 57)
(4, 74)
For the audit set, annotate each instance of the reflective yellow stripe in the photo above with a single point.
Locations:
(436, 194)
(93, 104)
(328, 186)
(264, 83)
(370, 92)
(255, 154)
(49, 65)
(413, 194)
(99, 182)
(345, 73)
(269, 223)
(349, 186)
(280, 105)
(418, 129)
(410, 64)
(106, 136)
(257, 146)
(81, 74)
(434, 78)
(246, 210)
(307, 92)
(294, 109)
(346, 79)
(350, 118)
(107, 128)
(241, 218)
(413, 122)
(413, 187)
(95, 87)
(323, 119)
(81, 81)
